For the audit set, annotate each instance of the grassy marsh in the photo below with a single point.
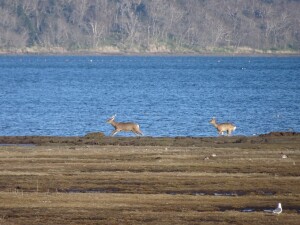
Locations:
(114, 184)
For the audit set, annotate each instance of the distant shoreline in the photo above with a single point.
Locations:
(99, 138)
(49, 52)
(151, 54)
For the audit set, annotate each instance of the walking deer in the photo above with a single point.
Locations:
(128, 126)
(222, 127)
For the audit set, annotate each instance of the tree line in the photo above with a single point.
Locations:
(179, 26)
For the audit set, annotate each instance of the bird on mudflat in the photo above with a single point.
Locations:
(284, 156)
(277, 211)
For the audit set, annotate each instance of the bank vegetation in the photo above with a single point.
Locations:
(150, 26)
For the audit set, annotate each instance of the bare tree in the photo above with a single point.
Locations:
(141, 24)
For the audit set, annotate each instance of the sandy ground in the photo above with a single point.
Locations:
(143, 180)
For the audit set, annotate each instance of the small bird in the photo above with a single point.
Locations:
(213, 155)
(278, 210)
(284, 156)
(206, 158)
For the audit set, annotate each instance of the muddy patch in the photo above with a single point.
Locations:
(98, 138)
(92, 190)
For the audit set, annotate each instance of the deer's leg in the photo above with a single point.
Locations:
(229, 133)
(114, 132)
(139, 132)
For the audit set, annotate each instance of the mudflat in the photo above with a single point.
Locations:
(144, 180)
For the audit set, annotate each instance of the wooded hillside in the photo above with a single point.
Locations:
(141, 26)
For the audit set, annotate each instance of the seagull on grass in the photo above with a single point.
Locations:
(277, 211)
(284, 156)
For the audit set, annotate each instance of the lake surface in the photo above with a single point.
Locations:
(167, 96)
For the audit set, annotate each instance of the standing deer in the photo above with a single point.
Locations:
(129, 126)
(222, 127)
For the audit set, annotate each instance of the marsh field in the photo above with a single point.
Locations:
(101, 180)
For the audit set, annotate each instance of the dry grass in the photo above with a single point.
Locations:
(149, 185)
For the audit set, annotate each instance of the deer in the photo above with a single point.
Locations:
(128, 126)
(222, 127)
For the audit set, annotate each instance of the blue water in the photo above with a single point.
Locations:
(167, 96)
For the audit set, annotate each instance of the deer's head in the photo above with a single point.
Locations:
(111, 119)
(213, 121)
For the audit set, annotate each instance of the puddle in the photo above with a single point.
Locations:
(220, 193)
(227, 194)
(268, 193)
(203, 193)
(173, 193)
(199, 193)
(267, 210)
(196, 193)
(248, 210)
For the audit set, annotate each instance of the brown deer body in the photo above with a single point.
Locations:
(128, 126)
(223, 127)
